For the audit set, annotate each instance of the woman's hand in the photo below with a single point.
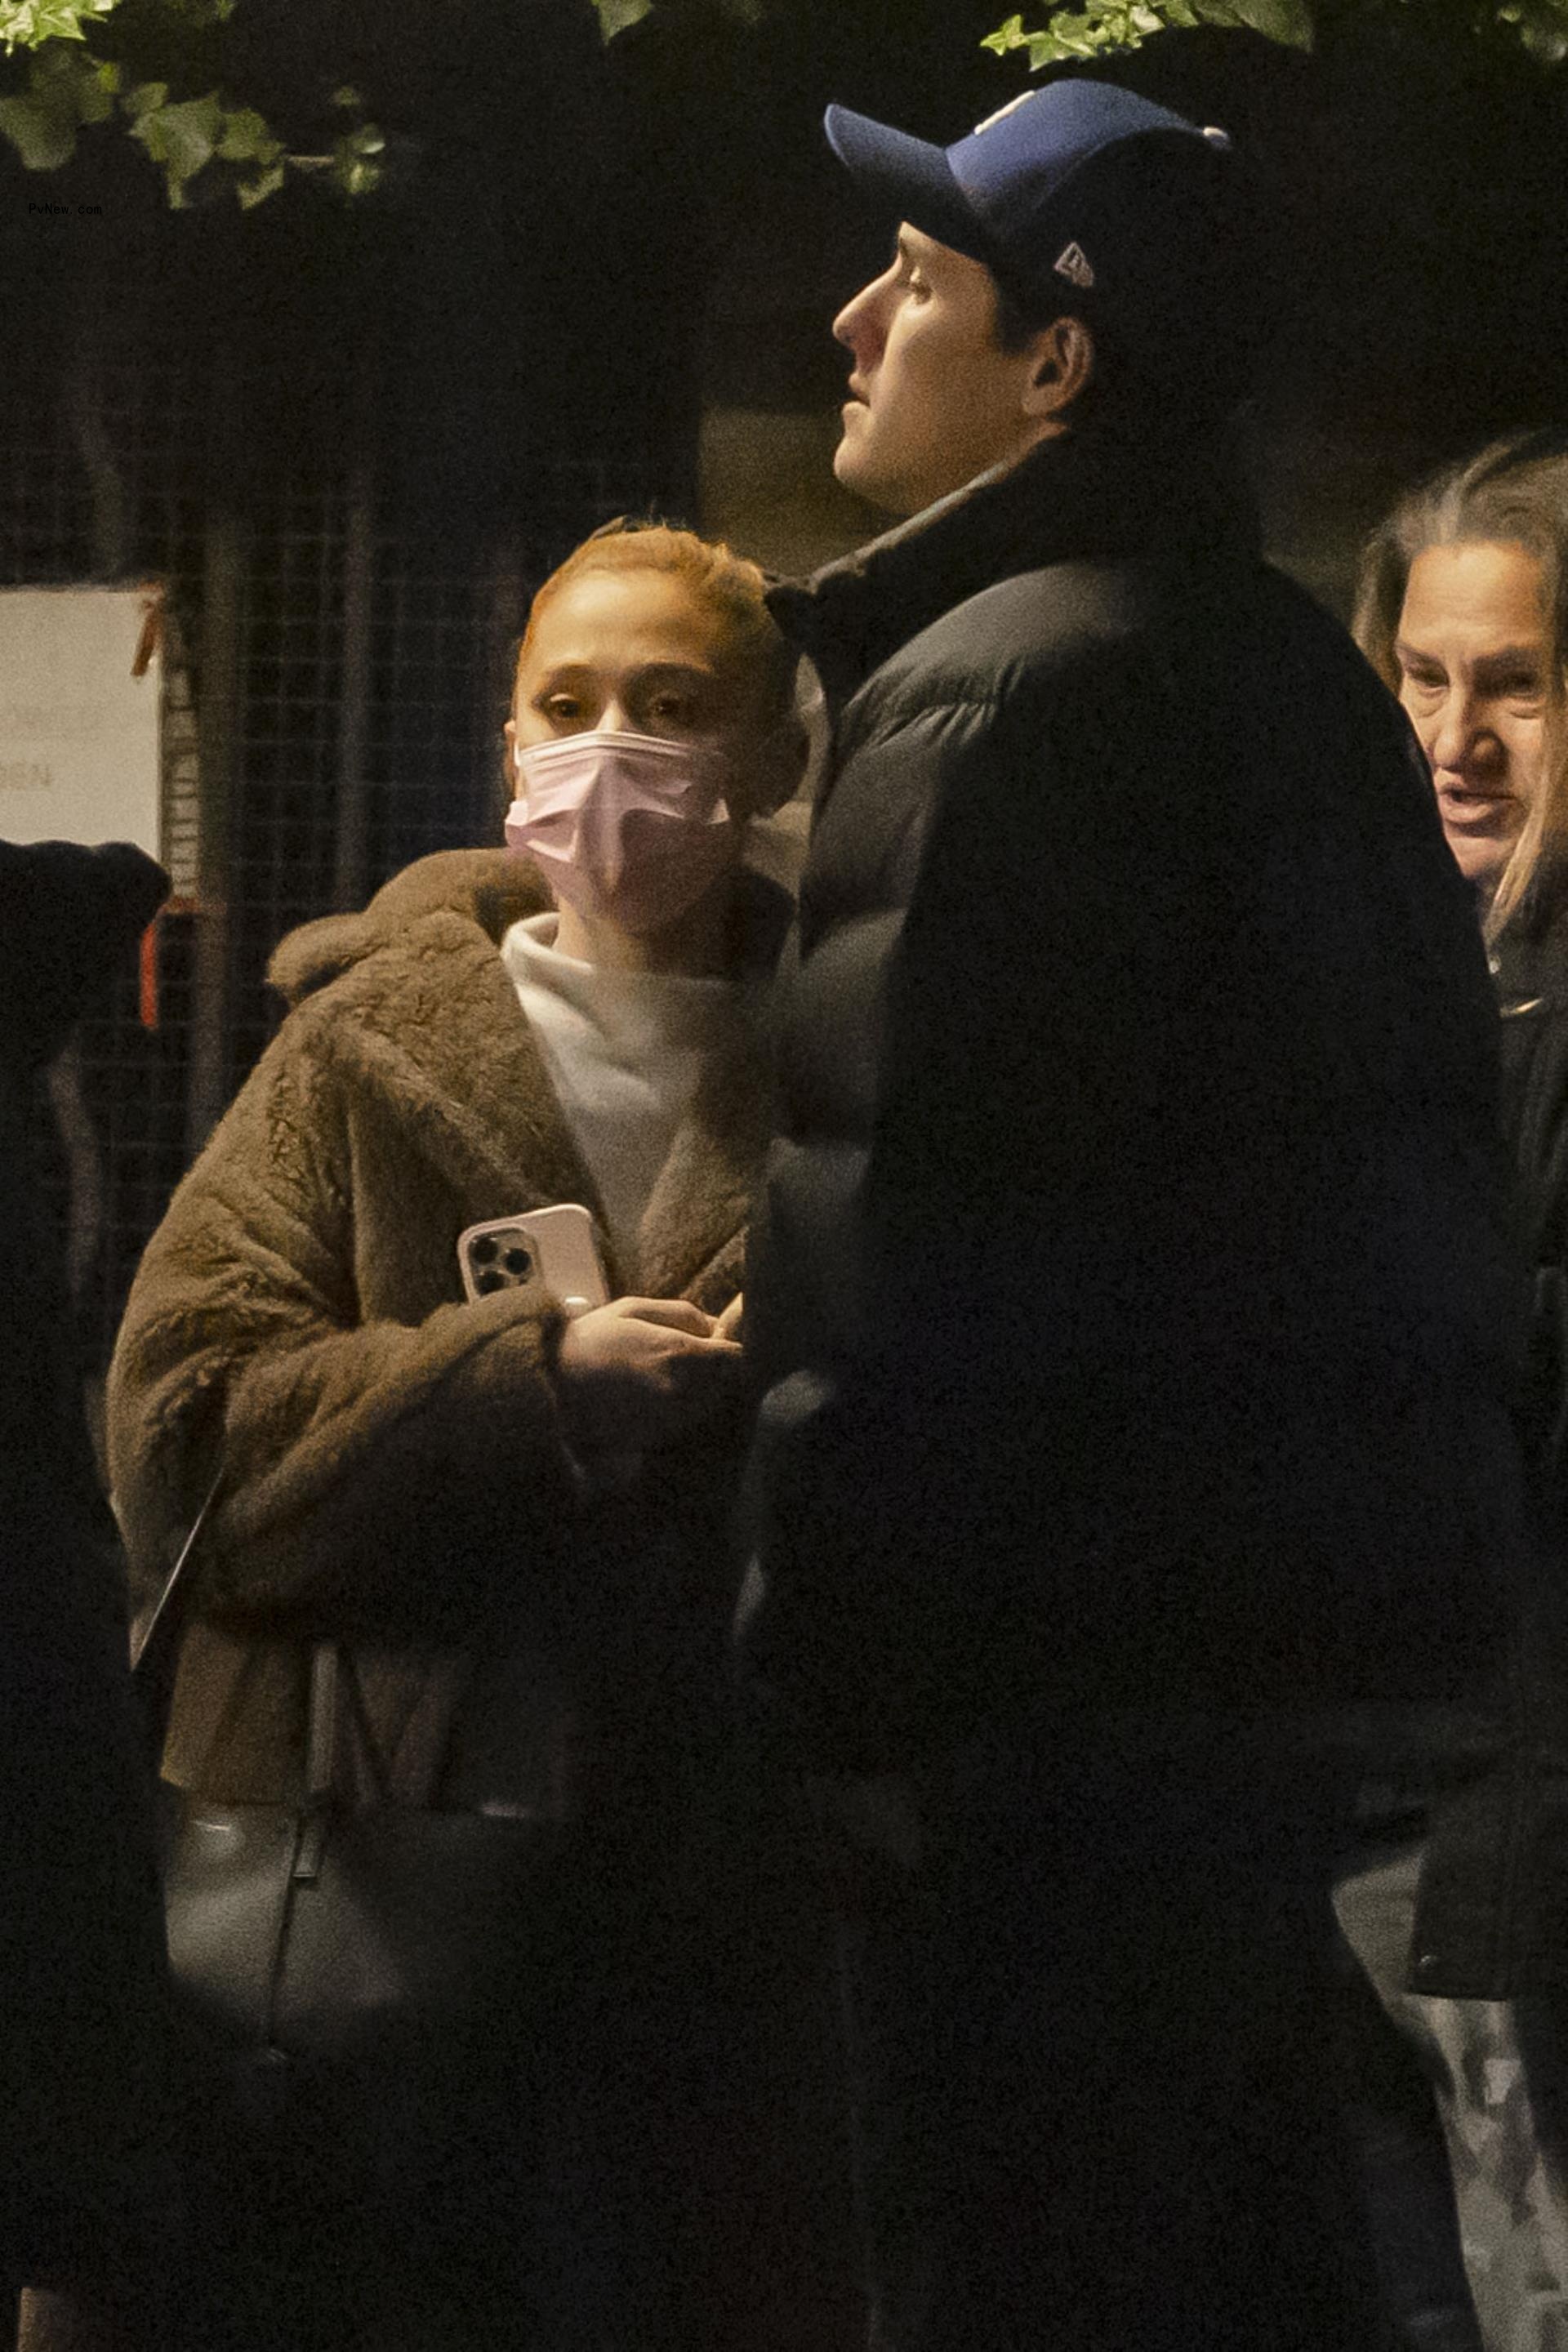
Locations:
(641, 1372)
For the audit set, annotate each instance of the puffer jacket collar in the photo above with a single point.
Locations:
(1081, 496)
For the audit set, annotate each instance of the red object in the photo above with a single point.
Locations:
(148, 998)
(152, 632)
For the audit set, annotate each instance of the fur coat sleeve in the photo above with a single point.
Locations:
(390, 1457)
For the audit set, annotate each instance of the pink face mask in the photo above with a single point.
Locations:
(629, 829)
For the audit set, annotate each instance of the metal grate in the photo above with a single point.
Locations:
(334, 668)
(93, 487)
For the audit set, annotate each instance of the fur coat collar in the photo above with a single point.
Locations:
(417, 992)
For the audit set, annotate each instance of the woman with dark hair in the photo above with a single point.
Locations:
(1463, 609)
(509, 1515)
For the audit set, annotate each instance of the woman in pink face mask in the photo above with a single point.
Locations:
(516, 1520)
(650, 724)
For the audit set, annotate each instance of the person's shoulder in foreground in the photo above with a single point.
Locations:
(83, 2110)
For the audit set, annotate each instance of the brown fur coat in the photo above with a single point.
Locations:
(392, 1472)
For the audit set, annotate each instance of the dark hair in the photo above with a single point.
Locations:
(1178, 336)
(1020, 317)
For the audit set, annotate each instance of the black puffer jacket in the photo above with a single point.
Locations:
(1134, 1297)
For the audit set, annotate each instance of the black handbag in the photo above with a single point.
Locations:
(342, 1967)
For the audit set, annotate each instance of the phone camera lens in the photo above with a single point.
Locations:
(483, 1251)
(518, 1261)
(490, 1281)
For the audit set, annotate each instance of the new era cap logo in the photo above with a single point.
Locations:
(1073, 264)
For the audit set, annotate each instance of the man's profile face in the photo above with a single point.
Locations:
(933, 398)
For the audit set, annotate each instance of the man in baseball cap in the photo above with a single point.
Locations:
(1130, 1302)
(1078, 202)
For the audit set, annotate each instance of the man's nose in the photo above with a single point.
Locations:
(614, 717)
(858, 326)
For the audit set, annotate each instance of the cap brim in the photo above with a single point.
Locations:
(911, 176)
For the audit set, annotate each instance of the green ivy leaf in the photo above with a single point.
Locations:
(181, 139)
(97, 93)
(1545, 35)
(27, 24)
(143, 98)
(246, 139)
(615, 15)
(1288, 22)
(1105, 25)
(1006, 37)
(43, 139)
(355, 167)
(255, 189)
(65, 89)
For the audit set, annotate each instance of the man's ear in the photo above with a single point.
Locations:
(1061, 364)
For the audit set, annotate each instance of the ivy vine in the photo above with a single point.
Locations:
(206, 145)
(203, 144)
(1099, 25)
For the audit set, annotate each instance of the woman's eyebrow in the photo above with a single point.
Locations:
(1487, 665)
(1510, 657)
(698, 673)
(572, 671)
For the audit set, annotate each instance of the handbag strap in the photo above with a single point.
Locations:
(155, 1637)
(155, 1654)
(159, 1627)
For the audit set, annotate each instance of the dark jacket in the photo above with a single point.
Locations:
(81, 1930)
(1134, 1293)
(1492, 1914)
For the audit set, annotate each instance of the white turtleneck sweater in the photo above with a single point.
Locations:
(626, 1051)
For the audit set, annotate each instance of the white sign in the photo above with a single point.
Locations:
(78, 731)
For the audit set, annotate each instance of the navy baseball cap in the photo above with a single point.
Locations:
(1077, 192)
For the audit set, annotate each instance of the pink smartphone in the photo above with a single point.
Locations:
(557, 1246)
